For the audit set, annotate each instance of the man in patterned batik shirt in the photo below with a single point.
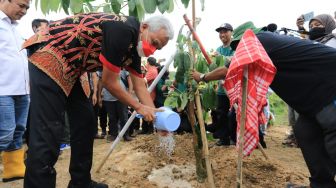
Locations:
(70, 48)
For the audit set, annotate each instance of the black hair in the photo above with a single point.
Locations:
(37, 22)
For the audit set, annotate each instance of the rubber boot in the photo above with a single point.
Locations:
(14, 167)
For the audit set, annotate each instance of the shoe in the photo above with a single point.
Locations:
(13, 165)
(93, 184)
(110, 138)
(99, 136)
(127, 138)
(210, 128)
(64, 147)
(290, 142)
(223, 142)
(263, 144)
(103, 133)
(291, 185)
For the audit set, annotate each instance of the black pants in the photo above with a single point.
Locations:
(117, 113)
(48, 105)
(100, 117)
(224, 128)
(316, 136)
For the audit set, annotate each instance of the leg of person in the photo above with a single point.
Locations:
(47, 128)
(223, 120)
(327, 119)
(310, 139)
(122, 114)
(111, 110)
(103, 123)
(82, 125)
(13, 120)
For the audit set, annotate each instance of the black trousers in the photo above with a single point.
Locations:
(224, 127)
(316, 136)
(117, 113)
(48, 105)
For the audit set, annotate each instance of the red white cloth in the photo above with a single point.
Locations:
(260, 73)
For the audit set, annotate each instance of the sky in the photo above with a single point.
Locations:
(216, 12)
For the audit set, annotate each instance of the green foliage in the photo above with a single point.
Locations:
(137, 8)
(279, 109)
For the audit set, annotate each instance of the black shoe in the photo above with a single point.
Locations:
(93, 184)
(263, 144)
(211, 128)
(223, 142)
(127, 138)
(98, 185)
(110, 138)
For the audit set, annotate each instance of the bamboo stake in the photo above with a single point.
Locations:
(204, 139)
(242, 130)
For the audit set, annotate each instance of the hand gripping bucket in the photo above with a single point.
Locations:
(167, 120)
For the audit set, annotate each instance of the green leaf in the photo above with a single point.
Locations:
(44, 6)
(209, 97)
(171, 6)
(116, 6)
(185, 3)
(163, 6)
(76, 6)
(107, 8)
(150, 6)
(213, 66)
(131, 6)
(54, 5)
(36, 4)
(186, 61)
(171, 100)
(65, 5)
(140, 9)
(184, 100)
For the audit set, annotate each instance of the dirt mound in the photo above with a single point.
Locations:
(142, 163)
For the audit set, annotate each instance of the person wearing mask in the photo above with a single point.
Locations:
(76, 45)
(14, 89)
(305, 80)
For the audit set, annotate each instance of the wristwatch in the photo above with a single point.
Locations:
(202, 77)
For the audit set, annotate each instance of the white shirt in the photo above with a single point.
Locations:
(14, 77)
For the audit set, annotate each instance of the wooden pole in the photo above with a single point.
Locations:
(204, 140)
(242, 130)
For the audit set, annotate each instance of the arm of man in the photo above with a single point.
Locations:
(216, 74)
(111, 82)
(141, 91)
(95, 79)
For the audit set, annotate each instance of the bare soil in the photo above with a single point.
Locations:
(140, 163)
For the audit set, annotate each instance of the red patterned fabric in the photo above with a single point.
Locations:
(260, 73)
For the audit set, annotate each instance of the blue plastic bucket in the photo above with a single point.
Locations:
(168, 120)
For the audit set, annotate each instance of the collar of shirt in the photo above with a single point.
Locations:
(3, 16)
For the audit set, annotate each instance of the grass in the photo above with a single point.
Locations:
(279, 108)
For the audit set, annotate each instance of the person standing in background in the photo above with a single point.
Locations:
(14, 89)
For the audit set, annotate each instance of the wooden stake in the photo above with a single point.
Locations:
(242, 130)
(204, 140)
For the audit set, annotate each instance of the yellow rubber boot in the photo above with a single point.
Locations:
(14, 167)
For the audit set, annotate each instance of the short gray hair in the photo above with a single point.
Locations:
(155, 23)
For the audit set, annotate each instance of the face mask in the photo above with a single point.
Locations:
(316, 32)
(145, 49)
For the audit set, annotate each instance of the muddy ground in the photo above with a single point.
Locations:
(141, 163)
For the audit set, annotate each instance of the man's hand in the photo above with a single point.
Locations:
(147, 112)
(300, 22)
(196, 76)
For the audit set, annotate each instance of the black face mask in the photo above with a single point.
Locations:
(316, 32)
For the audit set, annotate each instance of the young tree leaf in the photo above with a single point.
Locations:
(65, 5)
(185, 3)
(76, 6)
(171, 6)
(45, 7)
(131, 6)
(150, 6)
(116, 6)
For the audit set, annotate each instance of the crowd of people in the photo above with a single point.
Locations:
(81, 77)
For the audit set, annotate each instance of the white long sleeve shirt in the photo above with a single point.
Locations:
(14, 77)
